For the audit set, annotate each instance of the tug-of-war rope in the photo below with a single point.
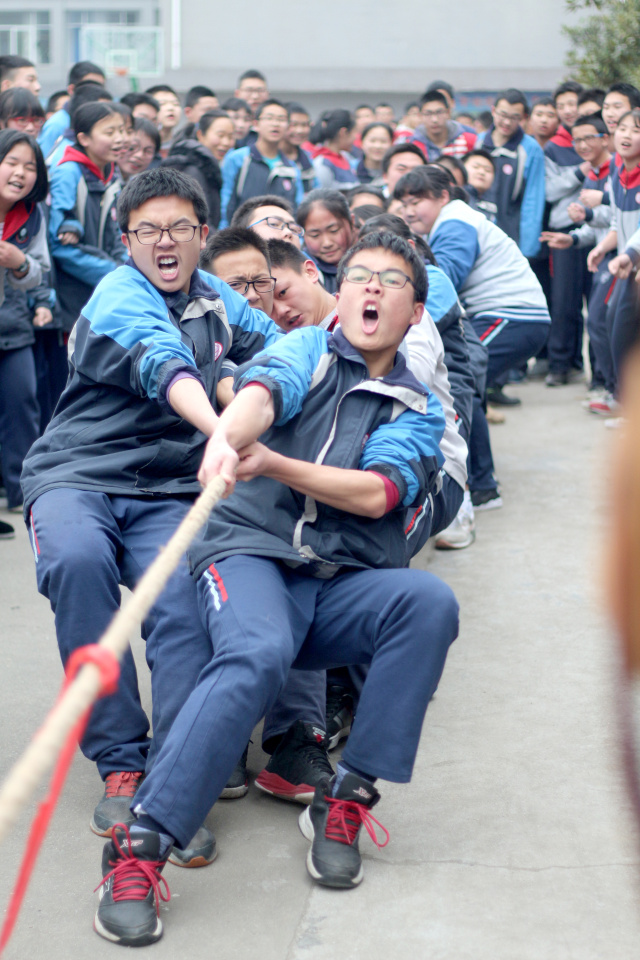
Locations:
(92, 672)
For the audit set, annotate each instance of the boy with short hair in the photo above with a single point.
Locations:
(296, 134)
(326, 589)
(590, 101)
(169, 114)
(543, 121)
(199, 100)
(398, 160)
(260, 168)
(240, 114)
(252, 88)
(481, 171)
(270, 217)
(18, 72)
(299, 299)
(518, 189)
(438, 133)
(82, 72)
(240, 258)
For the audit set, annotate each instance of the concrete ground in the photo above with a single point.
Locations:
(515, 839)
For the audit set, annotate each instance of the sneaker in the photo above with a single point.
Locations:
(238, 783)
(605, 406)
(614, 423)
(494, 415)
(557, 379)
(298, 764)
(486, 499)
(200, 852)
(332, 824)
(461, 533)
(131, 888)
(119, 789)
(7, 532)
(339, 714)
(497, 397)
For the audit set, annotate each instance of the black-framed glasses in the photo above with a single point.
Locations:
(261, 285)
(180, 233)
(590, 138)
(395, 279)
(277, 223)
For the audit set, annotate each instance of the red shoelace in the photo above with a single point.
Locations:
(133, 878)
(345, 818)
(122, 783)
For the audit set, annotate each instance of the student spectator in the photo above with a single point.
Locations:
(592, 143)
(367, 195)
(82, 72)
(333, 138)
(397, 161)
(483, 121)
(142, 150)
(328, 231)
(85, 92)
(84, 239)
(590, 101)
(410, 120)
(21, 110)
(375, 140)
(565, 173)
(199, 100)
(438, 133)
(384, 113)
(271, 218)
(497, 287)
(142, 105)
(18, 72)
(618, 100)
(518, 189)
(260, 168)
(57, 101)
(466, 119)
(199, 157)
(169, 114)
(291, 147)
(23, 259)
(361, 214)
(239, 257)
(481, 171)
(252, 88)
(543, 121)
(455, 167)
(362, 117)
(240, 112)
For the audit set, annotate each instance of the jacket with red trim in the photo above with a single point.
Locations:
(25, 228)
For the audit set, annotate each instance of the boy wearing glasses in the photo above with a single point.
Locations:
(271, 218)
(115, 470)
(261, 167)
(518, 187)
(438, 133)
(350, 440)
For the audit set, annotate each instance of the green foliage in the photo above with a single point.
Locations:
(605, 47)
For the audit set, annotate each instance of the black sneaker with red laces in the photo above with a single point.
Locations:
(119, 789)
(332, 824)
(298, 764)
(131, 888)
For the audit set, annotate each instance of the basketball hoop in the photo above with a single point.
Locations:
(121, 71)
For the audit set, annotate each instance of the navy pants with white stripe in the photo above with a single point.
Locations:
(86, 544)
(509, 343)
(262, 617)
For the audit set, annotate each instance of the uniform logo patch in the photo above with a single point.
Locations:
(507, 168)
(218, 350)
(638, 198)
(287, 184)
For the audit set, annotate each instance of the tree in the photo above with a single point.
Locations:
(606, 45)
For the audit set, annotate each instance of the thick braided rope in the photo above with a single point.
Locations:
(38, 758)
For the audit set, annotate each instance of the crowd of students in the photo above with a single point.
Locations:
(330, 310)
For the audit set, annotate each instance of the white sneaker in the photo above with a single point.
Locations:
(606, 405)
(461, 533)
(614, 423)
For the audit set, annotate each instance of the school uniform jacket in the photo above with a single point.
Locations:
(491, 275)
(563, 178)
(329, 410)
(518, 188)
(460, 140)
(625, 208)
(246, 173)
(25, 228)
(334, 171)
(597, 221)
(114, 430)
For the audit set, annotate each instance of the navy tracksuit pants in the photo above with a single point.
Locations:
(263, 617)
(86, 544)
(19, 416)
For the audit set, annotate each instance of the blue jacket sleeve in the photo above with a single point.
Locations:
(52, 130)
(230, 167)
(286, 369)
(126, 338)
(73, 258)
(407, 451)
(442, 299)
(252, 330)
(456, 248)
(533, 200)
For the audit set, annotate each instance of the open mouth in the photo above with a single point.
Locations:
(15, 184)
(168, 267)
(370, 318)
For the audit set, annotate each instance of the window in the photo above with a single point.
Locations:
(26, 35)
(76, 19)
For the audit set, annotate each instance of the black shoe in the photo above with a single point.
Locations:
(238, 782)
(332, 824)
(497, 397)
(298, 764)
(6, 531)
(339, 714)
(119, 790)
(556, 379)
(486, 499)
(129, 910)
(200, 852)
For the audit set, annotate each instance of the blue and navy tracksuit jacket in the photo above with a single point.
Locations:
(518, 188)
(624, 194)
(53, 131)
(83, 201)
(114, 430)
(329, 410)
(25, 228)
(563, 178)
(598, 219)
(334, 171)
(246, 173)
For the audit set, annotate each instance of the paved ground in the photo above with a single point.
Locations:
(514, 840)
